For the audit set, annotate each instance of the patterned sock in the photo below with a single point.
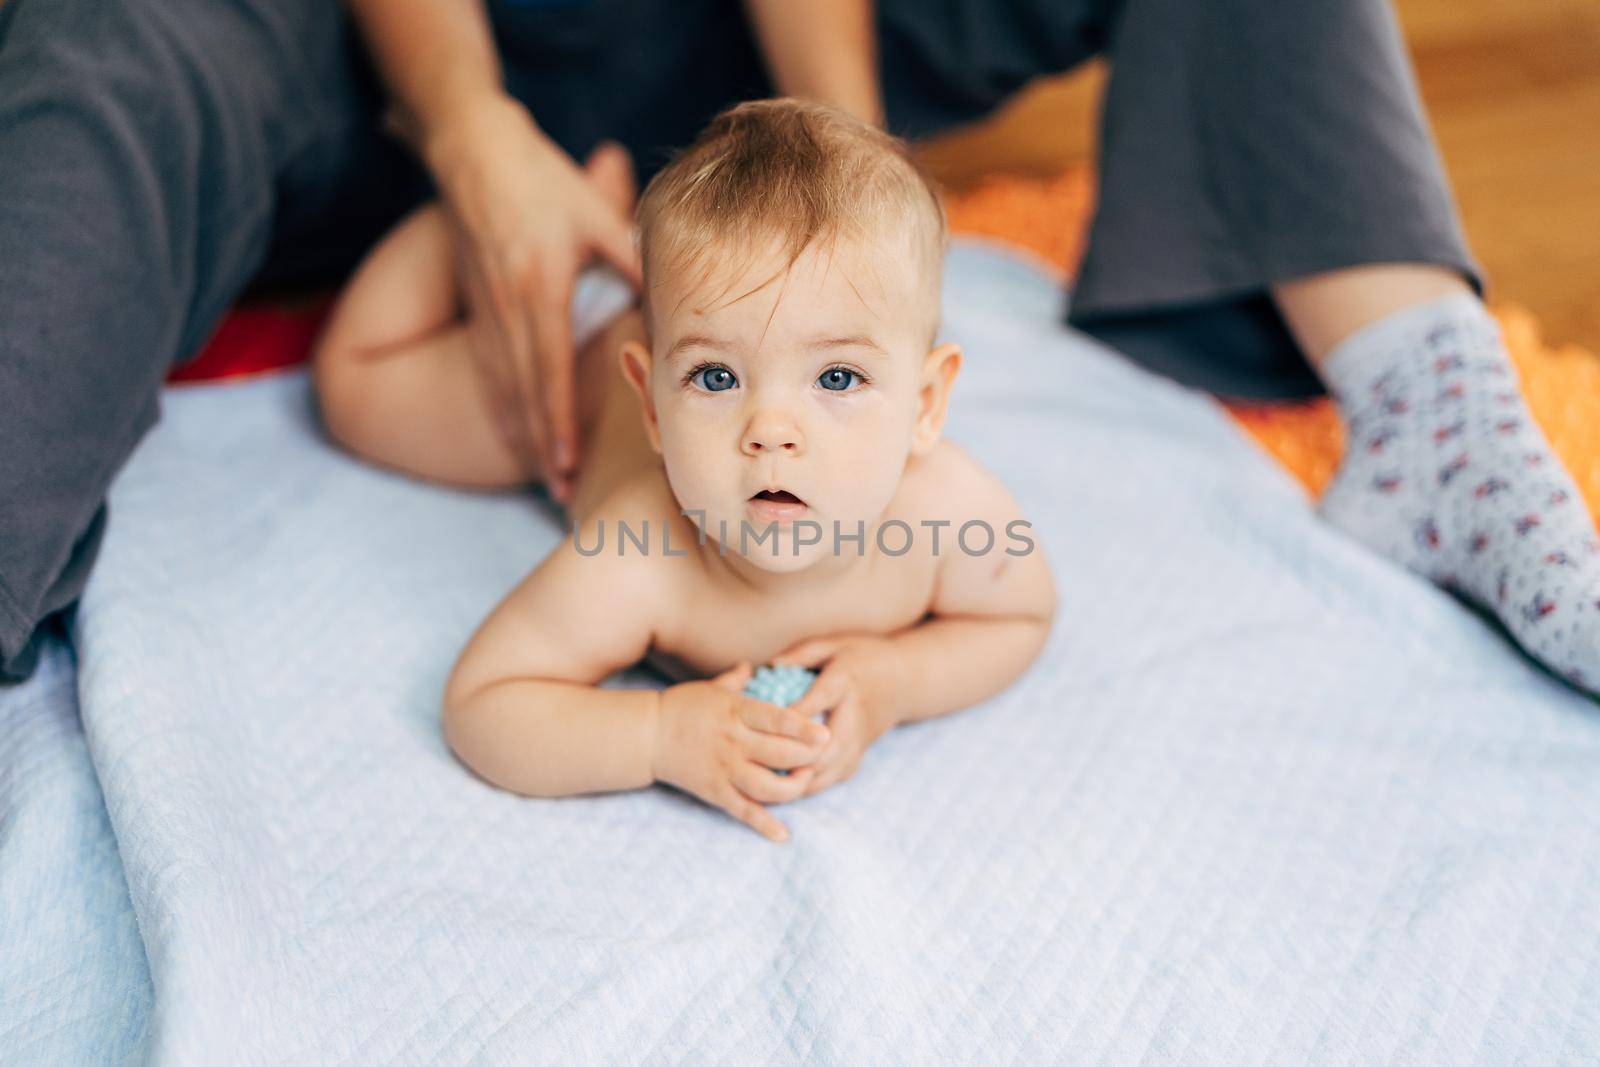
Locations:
(1446, 472)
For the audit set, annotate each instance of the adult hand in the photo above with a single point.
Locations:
(526, 219)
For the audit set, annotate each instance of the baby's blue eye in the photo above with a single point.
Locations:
(836, 378)
(716, 379)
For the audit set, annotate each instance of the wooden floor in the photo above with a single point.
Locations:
(1513, 91)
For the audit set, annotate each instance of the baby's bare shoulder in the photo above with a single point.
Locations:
(991, 564)
(639, 524)
(948, 483)
(644, 496)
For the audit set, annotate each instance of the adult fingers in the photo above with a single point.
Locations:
(760, 715)
(501, 349)
(485, 324)
(555, 413)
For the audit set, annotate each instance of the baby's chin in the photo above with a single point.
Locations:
(786, 560)
(771, 548)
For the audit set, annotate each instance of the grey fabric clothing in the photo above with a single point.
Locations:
(158, 157)
(1276, 141)
(146, 147)
(1242, 142)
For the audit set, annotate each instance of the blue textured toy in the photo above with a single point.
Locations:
(782, 686)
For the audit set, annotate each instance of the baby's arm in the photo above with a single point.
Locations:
(991, 613)
(523, 711)
(522, 708)
(988, 619)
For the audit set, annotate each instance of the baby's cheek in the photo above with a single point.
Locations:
(875, 474)
(688, 482)
(703, 494)
(863, 506)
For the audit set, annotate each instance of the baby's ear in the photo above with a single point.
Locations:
(635, 361)
(939, 369)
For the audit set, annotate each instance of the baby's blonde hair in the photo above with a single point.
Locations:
(787, 172)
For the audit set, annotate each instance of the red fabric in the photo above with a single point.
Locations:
(256, 340)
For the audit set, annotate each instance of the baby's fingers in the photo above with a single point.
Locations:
(807, 653)
(753, 815)
(825, 694)
(785, 722)
(820, 781)
(735, 677)
(773, 751)
(760, 783)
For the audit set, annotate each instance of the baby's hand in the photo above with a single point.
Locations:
(857, 689)
(720, 745)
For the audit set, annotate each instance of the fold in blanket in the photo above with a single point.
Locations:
(74, 985)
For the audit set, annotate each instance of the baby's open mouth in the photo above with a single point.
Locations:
(780, 496)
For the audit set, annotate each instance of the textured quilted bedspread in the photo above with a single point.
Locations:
(1263, 798)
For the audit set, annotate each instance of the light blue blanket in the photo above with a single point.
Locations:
(1264, 798)
(74, 985)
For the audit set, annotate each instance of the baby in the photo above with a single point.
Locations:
(765, 480)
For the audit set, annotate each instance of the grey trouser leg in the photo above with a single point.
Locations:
(144, 149)
(1243, 142)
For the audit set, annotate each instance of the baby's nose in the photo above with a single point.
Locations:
(772, 431)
